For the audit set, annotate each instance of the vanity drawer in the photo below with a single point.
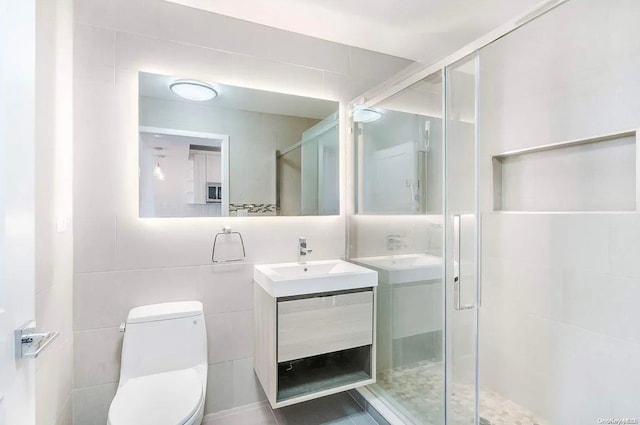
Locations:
(317, 325)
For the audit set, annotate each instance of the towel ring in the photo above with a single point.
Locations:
(226, 230)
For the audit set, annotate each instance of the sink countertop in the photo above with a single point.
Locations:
(291, 279)
(404, 268)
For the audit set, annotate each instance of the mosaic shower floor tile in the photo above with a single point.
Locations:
(419, 389)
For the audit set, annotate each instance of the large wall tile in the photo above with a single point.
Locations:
(343, 87)
(220, 338)
(219, 387)
(140, 53)
(94, 241)
(192, 26)
(226, 288)
(603, 303)
(54, 309)
(230, 336)
(624, 393)
(153, 286)
(97, 357)
(104, 299)
(54, 380)
(268, 74)
(625, 251)
(91, 405)
(159, 243)
(94, 53)
(242, 324)
(98, 301)
(135, 16)
(366, 64)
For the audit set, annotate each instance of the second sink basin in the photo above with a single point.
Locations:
(289, 279)
(394, 269)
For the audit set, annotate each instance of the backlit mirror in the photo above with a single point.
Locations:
(398, 145)
(208, 149)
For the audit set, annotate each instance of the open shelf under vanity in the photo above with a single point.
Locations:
(313, 345)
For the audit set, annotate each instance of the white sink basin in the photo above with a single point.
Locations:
(394, 269)
(287, 279)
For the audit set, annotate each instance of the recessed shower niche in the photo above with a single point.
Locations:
(596, 174)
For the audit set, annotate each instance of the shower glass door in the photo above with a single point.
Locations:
(398, 231)
(461, 242)
(417, 225)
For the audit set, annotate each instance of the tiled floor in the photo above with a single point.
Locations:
(418, 388)
(338, 409)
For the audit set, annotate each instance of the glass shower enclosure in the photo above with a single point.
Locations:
(498, 199)
(398, 231)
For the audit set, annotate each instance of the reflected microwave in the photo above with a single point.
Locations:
(214, 192)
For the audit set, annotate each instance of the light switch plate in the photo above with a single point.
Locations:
(62, 224)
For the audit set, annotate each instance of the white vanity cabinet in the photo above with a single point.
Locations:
(312, 345)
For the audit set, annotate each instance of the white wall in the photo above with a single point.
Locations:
(53, 200)
(17, 206)
(121, 260)
(560, 327)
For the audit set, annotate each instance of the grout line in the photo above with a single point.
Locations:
(213, 49)
(75, 331)
(94, 386)
(143, 269)
(112, 326)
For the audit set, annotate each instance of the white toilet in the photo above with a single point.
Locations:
(163, 376)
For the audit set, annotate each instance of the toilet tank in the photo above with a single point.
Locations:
(162, 338)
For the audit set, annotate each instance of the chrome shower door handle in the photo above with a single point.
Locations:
(457, 275)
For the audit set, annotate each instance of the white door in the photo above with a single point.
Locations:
(17, 261)
(395, 180)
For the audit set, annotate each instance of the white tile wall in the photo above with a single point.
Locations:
(54, 250)
(97, 356)
(226, 288)
(219, 394)
(91, 404)
(369, 234)
(122, 261)
(558, 328)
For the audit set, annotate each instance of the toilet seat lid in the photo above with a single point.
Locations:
(170, 398)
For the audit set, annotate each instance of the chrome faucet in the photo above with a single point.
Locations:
(303, 251)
